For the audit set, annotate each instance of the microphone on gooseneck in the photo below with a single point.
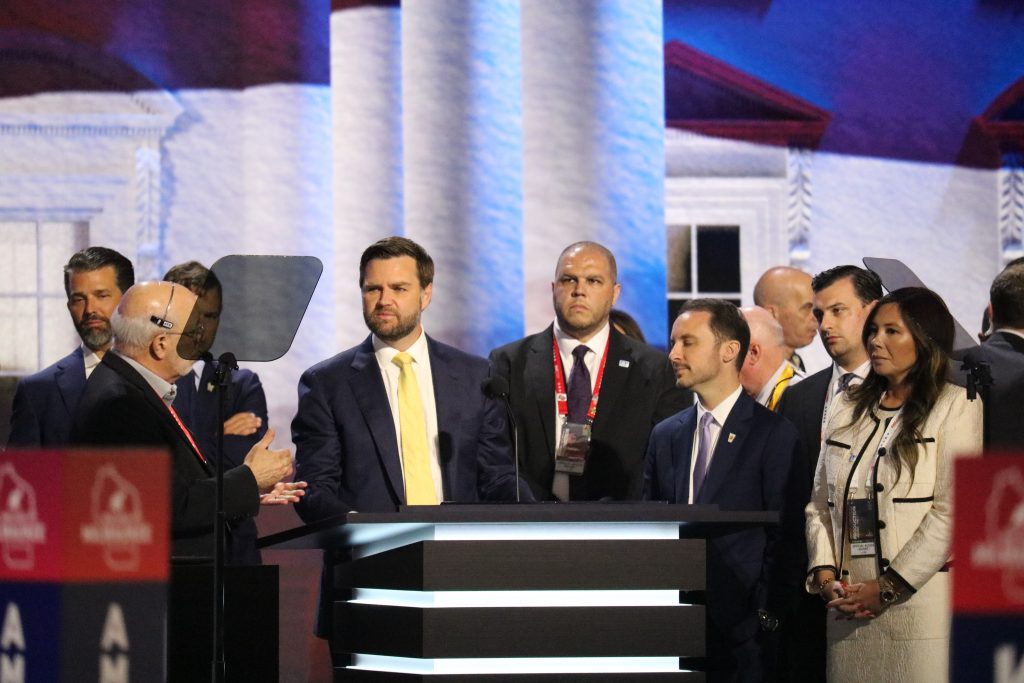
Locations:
(497, 387)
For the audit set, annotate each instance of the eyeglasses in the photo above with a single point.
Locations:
(163, 321)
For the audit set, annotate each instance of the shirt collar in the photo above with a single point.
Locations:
(90, 359)
(597, 343)
(722, 410)
(861, 371)
(385, 354)
(164, 389)
(769, 386)
(1007, 330)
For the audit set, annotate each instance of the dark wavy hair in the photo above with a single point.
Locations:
(395, 247)
(931, 326)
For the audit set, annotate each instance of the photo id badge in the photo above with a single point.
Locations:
(571, 456)
(861, 515)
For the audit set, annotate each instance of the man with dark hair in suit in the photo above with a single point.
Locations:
(557, 376)
(730, 451)
(843, 297)
(128, 401)
(1004, 352)
(44, 403)
(400, 419)
(196, 400)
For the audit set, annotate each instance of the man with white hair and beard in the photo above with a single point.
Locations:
(44, 403)
(128, 401)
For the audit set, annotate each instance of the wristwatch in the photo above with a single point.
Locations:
(887, 592)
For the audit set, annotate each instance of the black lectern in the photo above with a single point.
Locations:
(572, 592)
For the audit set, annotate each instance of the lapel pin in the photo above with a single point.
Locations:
(210, 387)
(732, 437)
(623, 363)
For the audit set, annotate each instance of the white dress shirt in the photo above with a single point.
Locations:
(164, 389)
(90, 359)
(425, 381)
(566, 345)
(765, 394)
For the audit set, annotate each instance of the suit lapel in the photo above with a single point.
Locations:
(70, 378)
(728, 448)
(540, 377)
(129, 374)
(682, 453)
(368, 389)
(445, 403)
(616, 374)
(1010, 341)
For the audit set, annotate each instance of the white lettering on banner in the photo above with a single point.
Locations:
(1006, 667)
(114, 647)
(13, 634)
(1002, 548)
(12, 668)
(12, 642)
(20, 528)
(117, 523)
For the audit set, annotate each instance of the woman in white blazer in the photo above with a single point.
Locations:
(880, 518)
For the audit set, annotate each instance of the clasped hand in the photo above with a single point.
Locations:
(856, 600)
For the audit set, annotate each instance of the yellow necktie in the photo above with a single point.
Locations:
(780, 386)
(419, 483)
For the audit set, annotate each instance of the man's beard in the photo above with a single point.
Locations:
(95, 338)
(393, 330)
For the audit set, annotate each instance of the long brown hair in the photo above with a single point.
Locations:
(931, 326)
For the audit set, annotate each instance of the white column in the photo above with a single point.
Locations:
(593, 147)
(286, 166)
(463, 163)
(366, 109)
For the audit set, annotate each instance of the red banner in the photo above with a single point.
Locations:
(84, 516)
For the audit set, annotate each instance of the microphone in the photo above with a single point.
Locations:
(497, 388)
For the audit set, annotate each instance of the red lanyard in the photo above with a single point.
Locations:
(188, 435)
(560, 396)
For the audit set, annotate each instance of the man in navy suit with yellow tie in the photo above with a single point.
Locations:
(400, 419)
(732, 452)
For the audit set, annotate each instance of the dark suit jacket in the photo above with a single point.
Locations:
(119, 408)
(760, 469)
(1005, 410)
(803, 638)
(639, 389)
(44, 403)
(803, 404)
(345, 441)
(198, 411)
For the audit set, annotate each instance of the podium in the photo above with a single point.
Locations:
(588, 592)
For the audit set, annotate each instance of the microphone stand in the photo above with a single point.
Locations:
(226, 364)
(497, 387)
(979, 381)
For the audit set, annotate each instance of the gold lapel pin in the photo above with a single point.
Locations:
(732, 437)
